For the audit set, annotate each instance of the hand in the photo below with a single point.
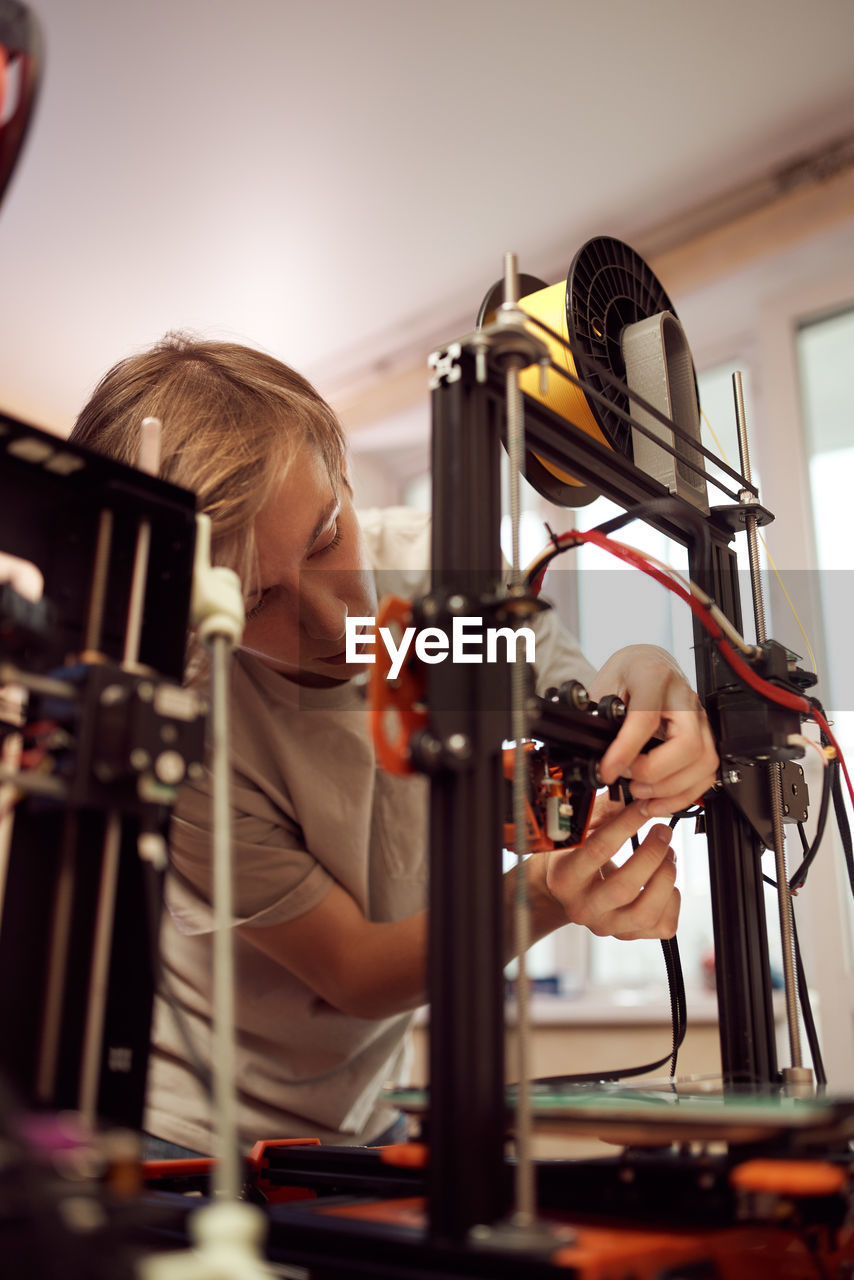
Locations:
(659, 701)
(638, 899)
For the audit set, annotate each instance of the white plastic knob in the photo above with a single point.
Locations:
(216, 604)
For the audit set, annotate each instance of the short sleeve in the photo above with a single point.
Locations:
(276, 878)
(398, 542)
(558, 653)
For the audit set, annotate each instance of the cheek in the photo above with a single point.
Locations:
(273, 626)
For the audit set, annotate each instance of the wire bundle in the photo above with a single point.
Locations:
(719, 628)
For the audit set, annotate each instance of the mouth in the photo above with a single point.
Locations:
(335, 659)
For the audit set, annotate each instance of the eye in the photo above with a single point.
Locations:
(330, 545)
(259, 604)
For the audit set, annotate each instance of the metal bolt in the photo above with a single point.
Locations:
(151, 847)
(458, 745)
(426, 749)
(170, 767)
(111, 694)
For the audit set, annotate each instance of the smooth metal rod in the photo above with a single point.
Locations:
(57, 964)
(33, 783)
(10, 674)
(775, 777)
(525, 1209)
(93, 1038)
(511, 280)
(148, 460)
(98, 592)
(749, 518)
(784, 907)
(133, 626)
(227, 1171)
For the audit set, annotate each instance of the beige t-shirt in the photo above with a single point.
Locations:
(310, 807)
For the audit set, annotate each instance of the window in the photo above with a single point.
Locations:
(825, 351)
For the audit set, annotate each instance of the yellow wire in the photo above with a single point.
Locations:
(776, 571)
(714, 437)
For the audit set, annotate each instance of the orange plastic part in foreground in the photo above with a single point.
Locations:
(794, 1178)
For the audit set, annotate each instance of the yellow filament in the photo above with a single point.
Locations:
(561, 396)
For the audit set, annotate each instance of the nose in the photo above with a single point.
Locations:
(323, 612)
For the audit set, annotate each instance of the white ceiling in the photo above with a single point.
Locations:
(336, 181)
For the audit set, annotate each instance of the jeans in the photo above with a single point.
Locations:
(159, 1149)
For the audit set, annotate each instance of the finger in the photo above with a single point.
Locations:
(670, 805)
(610, 837)
(571, 872)
(655, 899)
(604, 808)
(688, 740)
(664, 927)
(669, 920)
(637, 729)
(693, 780)
(622, 888)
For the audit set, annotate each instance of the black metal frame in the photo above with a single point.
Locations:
(466, 925)
(53, 493)
(467, 1103)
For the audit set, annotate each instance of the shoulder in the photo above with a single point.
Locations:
(395, 532)
(398, 543)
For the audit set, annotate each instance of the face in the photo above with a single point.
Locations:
(313, 572)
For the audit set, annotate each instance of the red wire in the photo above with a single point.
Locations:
(783, 697)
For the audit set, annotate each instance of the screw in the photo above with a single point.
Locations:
(458, 745)
(111, 694)
(170, 767)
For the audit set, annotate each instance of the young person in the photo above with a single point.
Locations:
(330, 853)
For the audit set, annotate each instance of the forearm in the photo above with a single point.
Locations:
(545, 912)
(387, 974)
(365, 968)
(372, 969)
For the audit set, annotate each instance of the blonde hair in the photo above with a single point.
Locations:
(232, 418)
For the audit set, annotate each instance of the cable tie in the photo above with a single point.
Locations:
(554, 537)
